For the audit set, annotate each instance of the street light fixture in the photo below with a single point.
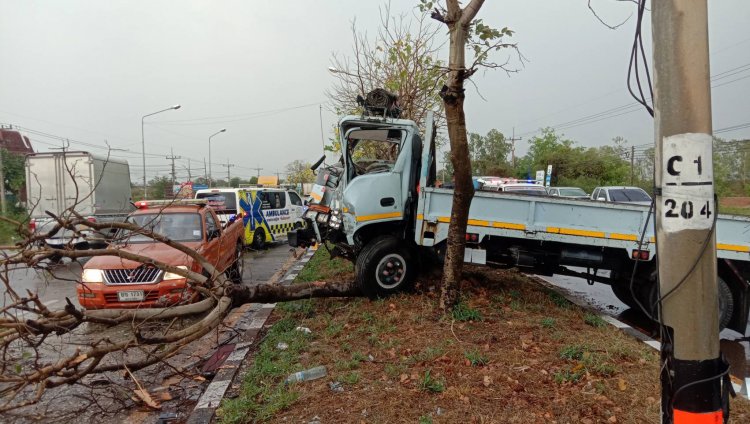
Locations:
(210, 176)
(143, 146)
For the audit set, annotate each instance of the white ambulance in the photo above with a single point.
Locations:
(268, 213)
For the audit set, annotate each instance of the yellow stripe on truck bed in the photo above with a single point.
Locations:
(733, 247)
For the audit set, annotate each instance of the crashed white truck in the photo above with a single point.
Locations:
(98, 188)
(380, 208)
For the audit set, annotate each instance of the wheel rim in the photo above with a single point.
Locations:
(259, 237)
(390, 271)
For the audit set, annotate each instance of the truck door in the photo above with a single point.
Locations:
(375, 174)
(296, 207)
(212, 249)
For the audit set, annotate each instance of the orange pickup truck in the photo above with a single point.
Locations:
(114, 282)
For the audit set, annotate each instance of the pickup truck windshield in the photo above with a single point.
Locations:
(628, 195)
(176, 226)
(221, 202)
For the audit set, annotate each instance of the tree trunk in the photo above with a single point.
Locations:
(463, 193)
(453, 95)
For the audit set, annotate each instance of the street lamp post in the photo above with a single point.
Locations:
(210, 176)
(143, 146)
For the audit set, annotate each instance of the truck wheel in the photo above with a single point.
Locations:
(259, 239)
(622, 293)
(726, 304)
(726, 301)
(234, 272)
(385, 266)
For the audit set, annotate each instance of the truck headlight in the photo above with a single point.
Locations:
(173, 276)
(92, 276)
(322, 218)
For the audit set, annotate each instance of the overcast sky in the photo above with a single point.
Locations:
(89, 70)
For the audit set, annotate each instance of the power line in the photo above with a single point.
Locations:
(635, 106)
(240, 117)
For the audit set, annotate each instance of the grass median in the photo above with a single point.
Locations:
(511, 352)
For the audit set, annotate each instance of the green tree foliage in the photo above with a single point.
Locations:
(489, 154)
(160, 188)
(574, 165)
(299, 172)
(14, 168)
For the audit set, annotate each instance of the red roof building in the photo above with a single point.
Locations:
(14, 142)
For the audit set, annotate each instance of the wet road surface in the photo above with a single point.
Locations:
(59, 283)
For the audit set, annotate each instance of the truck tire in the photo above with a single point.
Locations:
(622, 293)
(259, 239)
(726, 304)
(726, 301)
(386, 265)
(234, 272)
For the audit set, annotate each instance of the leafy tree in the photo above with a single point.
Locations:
(160, 187)
(574, 165)
(489, 153)
(299, 172)
(14, 170)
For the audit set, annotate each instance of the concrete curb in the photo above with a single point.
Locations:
(743, 389)
(249, 326)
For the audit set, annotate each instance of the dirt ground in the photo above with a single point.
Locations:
(513, 352)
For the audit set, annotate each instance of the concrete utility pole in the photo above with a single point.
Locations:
(228, 166)
(172, 157)
(513, 140)
(258, 169)
(632, 165)
(685, 214)
(205, 171)
(3, 207)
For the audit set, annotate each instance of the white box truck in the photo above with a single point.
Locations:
(96, 187)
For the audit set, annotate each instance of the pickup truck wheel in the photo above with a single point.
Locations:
(259, 239)
(235, 270)
(385, 266)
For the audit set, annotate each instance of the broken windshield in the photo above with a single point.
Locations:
(372, 151)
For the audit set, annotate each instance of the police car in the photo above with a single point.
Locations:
(267, 213)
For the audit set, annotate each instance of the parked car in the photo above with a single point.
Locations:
(569, 192)
(267, 213)
(114, 282)
(488, 183)
(528, 188)
(621, 194)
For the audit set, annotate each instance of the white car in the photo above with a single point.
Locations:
(621, 194)
(568, 192)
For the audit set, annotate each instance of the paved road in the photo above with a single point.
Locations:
(59, 283)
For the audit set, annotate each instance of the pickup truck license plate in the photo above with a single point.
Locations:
(130, 296)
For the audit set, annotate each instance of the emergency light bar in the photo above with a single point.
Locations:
(145, 204)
